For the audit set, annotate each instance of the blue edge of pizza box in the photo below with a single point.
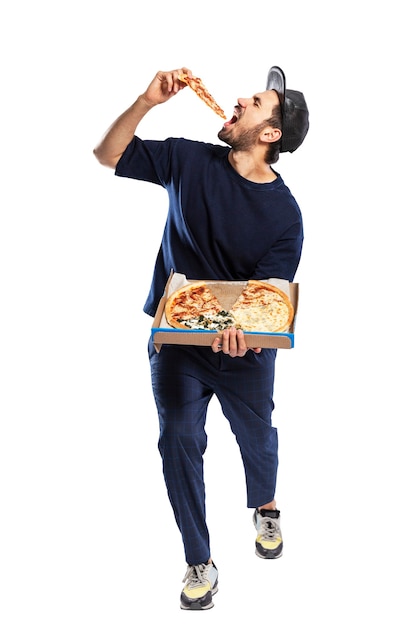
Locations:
(168, 335)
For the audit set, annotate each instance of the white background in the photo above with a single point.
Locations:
(87, 534)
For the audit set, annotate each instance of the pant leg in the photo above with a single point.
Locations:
(182, 400)
(245, 391)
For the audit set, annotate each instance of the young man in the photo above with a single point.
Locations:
(230, 217)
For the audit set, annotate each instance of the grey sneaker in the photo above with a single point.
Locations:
(269, 540)
(201, 585)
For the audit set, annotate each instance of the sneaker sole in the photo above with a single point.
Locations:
(196, 606)
(268, 556)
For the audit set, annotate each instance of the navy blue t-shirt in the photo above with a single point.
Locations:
(220, 226)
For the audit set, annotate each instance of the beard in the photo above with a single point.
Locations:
(243, 141)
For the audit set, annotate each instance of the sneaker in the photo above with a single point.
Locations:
(269, 540)
(200, 588)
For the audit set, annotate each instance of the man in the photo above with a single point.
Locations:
(230, 217)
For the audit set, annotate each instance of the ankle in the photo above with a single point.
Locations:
(270, 506)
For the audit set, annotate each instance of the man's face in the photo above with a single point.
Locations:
(250, 114)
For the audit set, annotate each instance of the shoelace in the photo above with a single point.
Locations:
(196, 575)
(269, 529)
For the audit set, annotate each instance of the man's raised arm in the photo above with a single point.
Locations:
(164, 86)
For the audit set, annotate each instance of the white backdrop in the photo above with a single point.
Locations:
(87, 535)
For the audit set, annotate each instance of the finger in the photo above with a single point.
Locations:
(225, 341)
(165, 80)
(169, 79)
(242, 348)
(179, 84)
(233, 345)
(170, 82)
(186, 70)
(216, 346)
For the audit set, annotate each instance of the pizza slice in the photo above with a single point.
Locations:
(200, 89)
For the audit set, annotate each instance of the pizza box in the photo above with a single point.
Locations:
(227, 292)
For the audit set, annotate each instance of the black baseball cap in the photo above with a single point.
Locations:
(294, 111)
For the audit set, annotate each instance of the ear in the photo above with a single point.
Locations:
(270, 135)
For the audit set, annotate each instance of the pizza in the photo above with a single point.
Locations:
(200, 89)
(260, 307)
(194, 306)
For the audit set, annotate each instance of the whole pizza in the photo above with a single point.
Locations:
(260, 307)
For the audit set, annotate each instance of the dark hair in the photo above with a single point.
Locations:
(274, 149)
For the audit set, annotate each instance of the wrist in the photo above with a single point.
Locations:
(144, 102)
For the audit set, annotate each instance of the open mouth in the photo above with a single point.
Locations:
(232, 121)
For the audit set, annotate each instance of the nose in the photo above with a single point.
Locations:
(243, 102)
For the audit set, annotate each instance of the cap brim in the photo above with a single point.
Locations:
(276, 80)
(294, 111)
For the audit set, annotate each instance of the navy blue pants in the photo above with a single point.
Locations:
(184, 379)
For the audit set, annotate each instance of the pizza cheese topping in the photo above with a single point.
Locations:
(200, 89)
(261, 307)
(209, 321)
(192, 301)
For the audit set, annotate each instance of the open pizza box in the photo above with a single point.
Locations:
(226, 292)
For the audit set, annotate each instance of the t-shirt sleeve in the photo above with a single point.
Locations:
(283, 258)
(145, 160)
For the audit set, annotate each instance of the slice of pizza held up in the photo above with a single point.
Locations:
(260, 307)
(202, 92)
